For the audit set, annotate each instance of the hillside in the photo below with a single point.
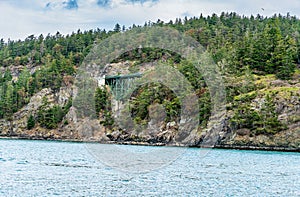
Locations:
(258, 58)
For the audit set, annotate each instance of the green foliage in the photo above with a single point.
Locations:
(117, 28)
(30, 122)
(103, 106)
(172, 108)
(286, 53)
(149, 55)
(246, 97)
(150, 94)
(50, 117)
(192, 74)
(245, 117)
(204, 108)
(101, 100)
(242, 46)
(259, 121)
(108, 119)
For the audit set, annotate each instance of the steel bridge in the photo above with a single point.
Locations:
(120, 84)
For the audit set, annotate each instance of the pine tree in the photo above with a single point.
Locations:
(287, 53)
(101, 98)
(8, 101)
(30, 122)
(270, 122)
(117, 28)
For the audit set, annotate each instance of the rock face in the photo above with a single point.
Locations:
(70, 128)
(287, 106)
(158, 132)
(16, 70)
(18, 124)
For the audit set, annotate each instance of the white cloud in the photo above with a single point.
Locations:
(18, 19)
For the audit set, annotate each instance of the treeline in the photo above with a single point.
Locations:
(239, 44)
(265, 45)
(38, 50)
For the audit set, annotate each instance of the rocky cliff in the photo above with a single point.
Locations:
(235, 132)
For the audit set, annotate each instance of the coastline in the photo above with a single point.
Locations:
(217, 146)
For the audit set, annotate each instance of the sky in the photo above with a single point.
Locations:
(22, 18)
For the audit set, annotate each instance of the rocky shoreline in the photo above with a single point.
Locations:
(217, 146)
(259, 148)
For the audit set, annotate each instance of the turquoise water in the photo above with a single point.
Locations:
(42, 168)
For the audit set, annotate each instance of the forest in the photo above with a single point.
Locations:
(246, 48)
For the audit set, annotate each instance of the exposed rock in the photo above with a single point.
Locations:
(243, 132)
(184, 132)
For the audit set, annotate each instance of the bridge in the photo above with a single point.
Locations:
(119, 84)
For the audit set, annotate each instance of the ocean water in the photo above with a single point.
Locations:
(44, 168)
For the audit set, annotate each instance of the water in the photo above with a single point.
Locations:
(42, 168)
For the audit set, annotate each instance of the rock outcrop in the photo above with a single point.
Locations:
(156, 131)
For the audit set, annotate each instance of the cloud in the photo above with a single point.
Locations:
(270, 7)
(18, 19)
(55, 5)
(141, 1)
(70, 4)
(103, 3)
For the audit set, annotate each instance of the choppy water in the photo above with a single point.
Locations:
(42, 168)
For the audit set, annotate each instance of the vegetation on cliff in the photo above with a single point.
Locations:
(258, 57)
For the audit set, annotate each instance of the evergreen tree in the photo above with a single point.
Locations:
(30, 122)
(117, 28)
(101, 98)
(286, 53)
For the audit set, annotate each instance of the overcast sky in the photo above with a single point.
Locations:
(21, 18)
